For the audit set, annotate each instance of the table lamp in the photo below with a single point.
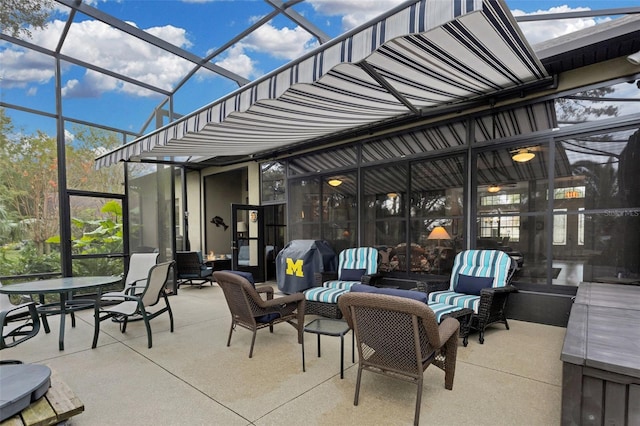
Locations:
(241, 228)
(439, 233)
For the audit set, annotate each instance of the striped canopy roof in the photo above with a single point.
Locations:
(425, 55)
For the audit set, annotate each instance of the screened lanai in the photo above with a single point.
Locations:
(417, 110)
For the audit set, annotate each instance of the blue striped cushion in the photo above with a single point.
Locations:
(323, 294)
(342, 285)
(441, 309)
(481, 263)
(359, 258)
(455, 299)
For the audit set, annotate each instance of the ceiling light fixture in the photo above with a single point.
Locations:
(493, 189)
(334, 182)
(392, 195)
(634, 58)
(523, 155)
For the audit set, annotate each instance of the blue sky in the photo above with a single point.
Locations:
(198, 26)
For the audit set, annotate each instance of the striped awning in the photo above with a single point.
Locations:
(429, 54)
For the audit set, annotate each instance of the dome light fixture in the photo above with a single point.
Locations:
(493, 188)
(523, 155)
(334, 182)
(635, 58)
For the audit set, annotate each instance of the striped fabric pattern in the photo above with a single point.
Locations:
(324, 294)
(477, 263)
(441, 309)
(359, 258)
(341, 285)
(481, 263)
(432, 53)
(452, 298)
(353, 258)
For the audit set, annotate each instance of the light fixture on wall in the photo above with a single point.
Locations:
(493, 188)
(523, 155)
(634, 58)
(334, 182)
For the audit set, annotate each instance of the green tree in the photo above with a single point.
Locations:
(87, 143)
(29, 182)
(16, 16)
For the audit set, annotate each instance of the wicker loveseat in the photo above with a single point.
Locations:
(480, 280)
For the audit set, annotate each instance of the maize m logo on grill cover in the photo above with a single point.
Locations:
(294, 267)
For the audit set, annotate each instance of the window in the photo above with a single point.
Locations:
(559, 228)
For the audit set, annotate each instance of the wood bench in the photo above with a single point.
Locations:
(56, 406)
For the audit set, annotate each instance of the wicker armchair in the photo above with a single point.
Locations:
(356, 266)
(400, 337)
(489, 304)
(249, 310)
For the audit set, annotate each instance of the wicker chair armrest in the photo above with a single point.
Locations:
(431, 286)
(321, 277)
(493, 290)
(370, 279)
(268, 290)
(448, 328)
(284, 300)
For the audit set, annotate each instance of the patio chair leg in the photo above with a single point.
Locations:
(230, 333)
(45, 323)
(355, 398)
(416, 418)
(148, 326)
(96, 331)
(481, 337)
(253, 340)
(303, 367)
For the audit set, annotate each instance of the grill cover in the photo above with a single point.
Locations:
(297, 263)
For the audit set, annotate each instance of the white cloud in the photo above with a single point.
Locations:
(237, 61)
(68, 136)
(535, 32)
(101, 45)
(353, 12)
(281, 43)
(21, 67)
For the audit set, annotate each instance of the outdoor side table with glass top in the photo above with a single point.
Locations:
(330, 327)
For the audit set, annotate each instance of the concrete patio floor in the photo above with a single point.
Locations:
(190, 377)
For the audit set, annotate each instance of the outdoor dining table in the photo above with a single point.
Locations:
(64, 287)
